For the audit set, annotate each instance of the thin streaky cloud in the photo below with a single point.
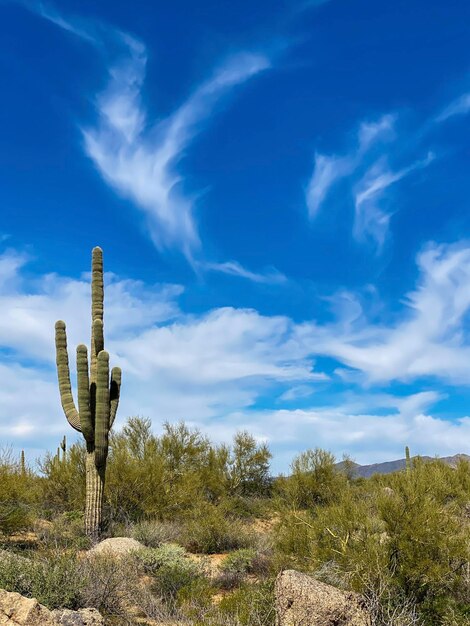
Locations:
(138, 157)
(233, 268)
(78, 28)
(460, 106)
(330, 169)
(371, 221)
(139, 160)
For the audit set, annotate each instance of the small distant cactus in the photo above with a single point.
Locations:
(407, 459)
(98, 398)
(63, 446)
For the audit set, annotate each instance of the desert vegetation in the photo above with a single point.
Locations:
(215, 529)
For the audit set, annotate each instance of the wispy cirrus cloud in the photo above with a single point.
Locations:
(371, 219)
(139, 159)
(138, 156)
(460, 106)
(270, 276)
(370, 177)
(330, 169)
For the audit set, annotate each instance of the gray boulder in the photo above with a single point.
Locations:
(303, 601)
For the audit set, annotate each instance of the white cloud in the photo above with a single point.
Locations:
(371, 220)
(429, 339)
(370, 177)
(139, 159)
(370, 427)
(330, 169)
(233, 268)
(137, 156)
(176, 366)
(214, 369)
(460, 106)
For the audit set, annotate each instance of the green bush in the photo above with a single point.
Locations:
(65, 531)
(52, 579)
(19, 494)
(402, 540)
(314, 481)
(171, 568)
(250, 605)
(210, 531)
(153, 533)
(63, 487)
(236, 566)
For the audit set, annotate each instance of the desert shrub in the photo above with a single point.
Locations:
(55, 580)
(52, 579)
(294, 540)
(162, 477)
(110, 584)
(210, 531)
(405, 547)
(247, 507)
(63, 487)
(249, 466)
(249, 605)
(427, 537)
(65, 531)
(153, 533)
(314, 480)
(171, 568)
(19, 494)
(235, 566)
(15, 572)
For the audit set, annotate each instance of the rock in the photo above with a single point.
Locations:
(303, 601)
(16, 610)
(116, 546)
(82, 617)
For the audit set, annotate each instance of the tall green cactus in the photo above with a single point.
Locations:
(98, 397)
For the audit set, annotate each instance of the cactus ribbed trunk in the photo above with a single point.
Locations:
(94, 497)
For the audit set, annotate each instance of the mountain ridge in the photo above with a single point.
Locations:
(387, 467)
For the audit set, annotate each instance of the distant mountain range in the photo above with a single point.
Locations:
(366, 471)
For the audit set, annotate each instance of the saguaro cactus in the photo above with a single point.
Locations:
(407, 459)
(98, 397)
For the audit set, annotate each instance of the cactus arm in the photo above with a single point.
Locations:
(84, 408)
(114, 394)
(102, 410)
(63, 372)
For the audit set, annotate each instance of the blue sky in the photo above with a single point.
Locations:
(281, 191)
